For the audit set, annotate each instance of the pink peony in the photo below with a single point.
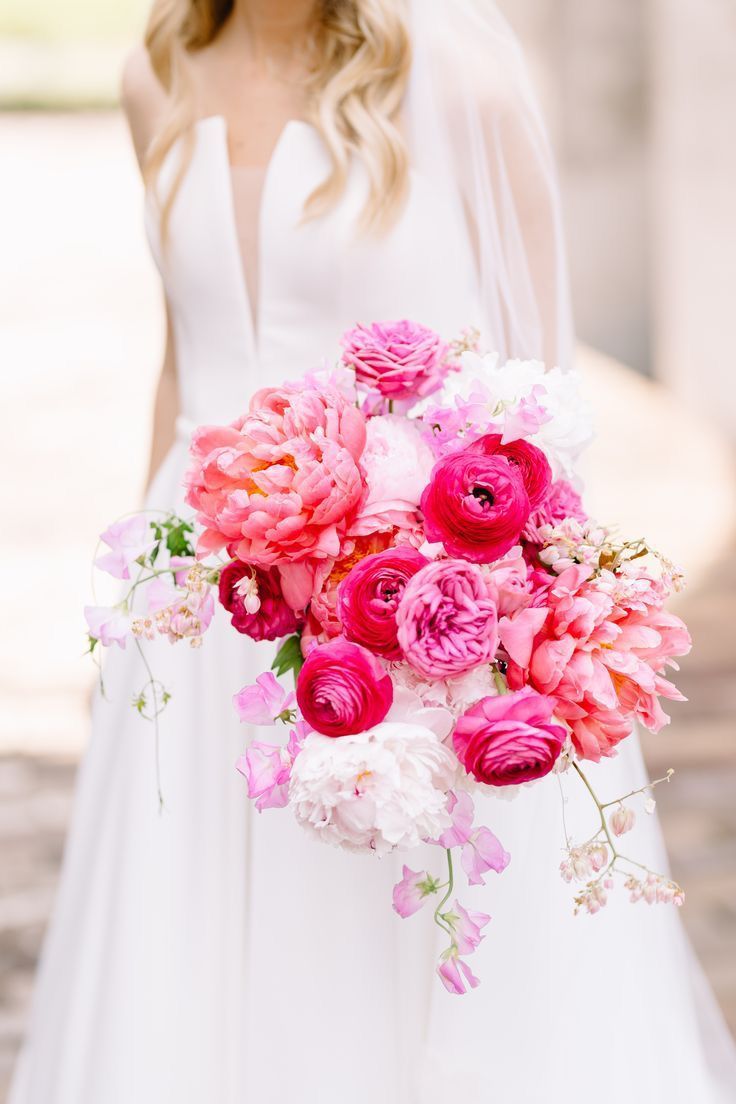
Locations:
(369, 596)
(509, 739)
(397, 463)
(561, 503)
(277, 487)
(600, 648)
(446, 620)
(476, 505)
(400, 360)
(269, 617)
(342, 689)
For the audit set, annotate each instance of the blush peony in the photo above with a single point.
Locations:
(380, 790)
(269, 617)
(369, 597)
(446, 620)
(476, 505)
(397, 463)
(276, 488)
(400, 360)
(510, 738)
(343, 689)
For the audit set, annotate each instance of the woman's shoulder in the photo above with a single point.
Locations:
(143, 99)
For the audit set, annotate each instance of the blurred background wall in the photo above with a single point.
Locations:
(641, 100)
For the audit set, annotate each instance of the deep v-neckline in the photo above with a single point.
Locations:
(253, 312)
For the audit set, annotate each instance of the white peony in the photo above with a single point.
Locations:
(501, 387)
(378, 791)
(398, 464)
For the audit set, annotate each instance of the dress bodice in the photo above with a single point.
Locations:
(315, 278)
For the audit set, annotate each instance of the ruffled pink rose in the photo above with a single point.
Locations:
(476, 505)
(509, 739)
(369, 597)
(276, 487)
(400, 360)
(342, 689)
(446, 620)
(271, 618)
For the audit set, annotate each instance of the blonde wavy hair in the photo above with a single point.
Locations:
(354, 91)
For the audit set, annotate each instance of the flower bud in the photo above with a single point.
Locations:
(622, 820)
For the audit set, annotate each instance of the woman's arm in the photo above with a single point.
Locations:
(144, 101)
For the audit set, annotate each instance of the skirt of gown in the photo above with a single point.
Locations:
(212, 953)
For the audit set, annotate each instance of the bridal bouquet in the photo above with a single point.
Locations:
(408, 526)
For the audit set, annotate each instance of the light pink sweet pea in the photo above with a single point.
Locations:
(127, 540)
(108, 624)
(263, 702)
(467, 927)
(482, 851)
(413, 891)
(400, 360)
(267, 770)
(455, 974)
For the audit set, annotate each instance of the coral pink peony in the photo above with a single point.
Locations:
(277, 486)
(600, 648)
(446, 620)
(269, 617)
(369, 596)
(476, 505)
(400, 360)
(342, 689)
(509, 739)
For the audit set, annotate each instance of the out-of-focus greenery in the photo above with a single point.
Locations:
(72, 19)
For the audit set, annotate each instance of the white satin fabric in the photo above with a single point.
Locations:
(214, 954)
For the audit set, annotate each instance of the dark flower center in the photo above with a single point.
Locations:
(484, 496)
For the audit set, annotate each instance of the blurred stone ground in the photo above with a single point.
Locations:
(80, 333)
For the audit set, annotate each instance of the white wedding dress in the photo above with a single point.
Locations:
(213, 955)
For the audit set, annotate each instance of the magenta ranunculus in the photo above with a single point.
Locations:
(271, 617)
(342, 689)
(476, 505)
(400, 360)
(529, 460)
(509, 739)
(447, 620)
(369, 597)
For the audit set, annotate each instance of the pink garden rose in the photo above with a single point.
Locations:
(269, 617)
(342, 689)
(277, 487)
(476, 505)
(400, 360)
(509, 739)
(446, 620)
(369, 597)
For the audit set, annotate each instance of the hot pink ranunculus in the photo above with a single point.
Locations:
(271, 618)
(342, 689)
(369, 597)
(400, 360)
(276, 487)
(529, 460)
(476, 505)
(509, 739)
(446, 620)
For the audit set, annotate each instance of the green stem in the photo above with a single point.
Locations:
(154, 718)
(501, 684)
(438, 918)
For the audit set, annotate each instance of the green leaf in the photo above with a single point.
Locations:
(289, 657)
(177, 541)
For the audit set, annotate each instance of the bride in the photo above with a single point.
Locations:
(310, 164)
